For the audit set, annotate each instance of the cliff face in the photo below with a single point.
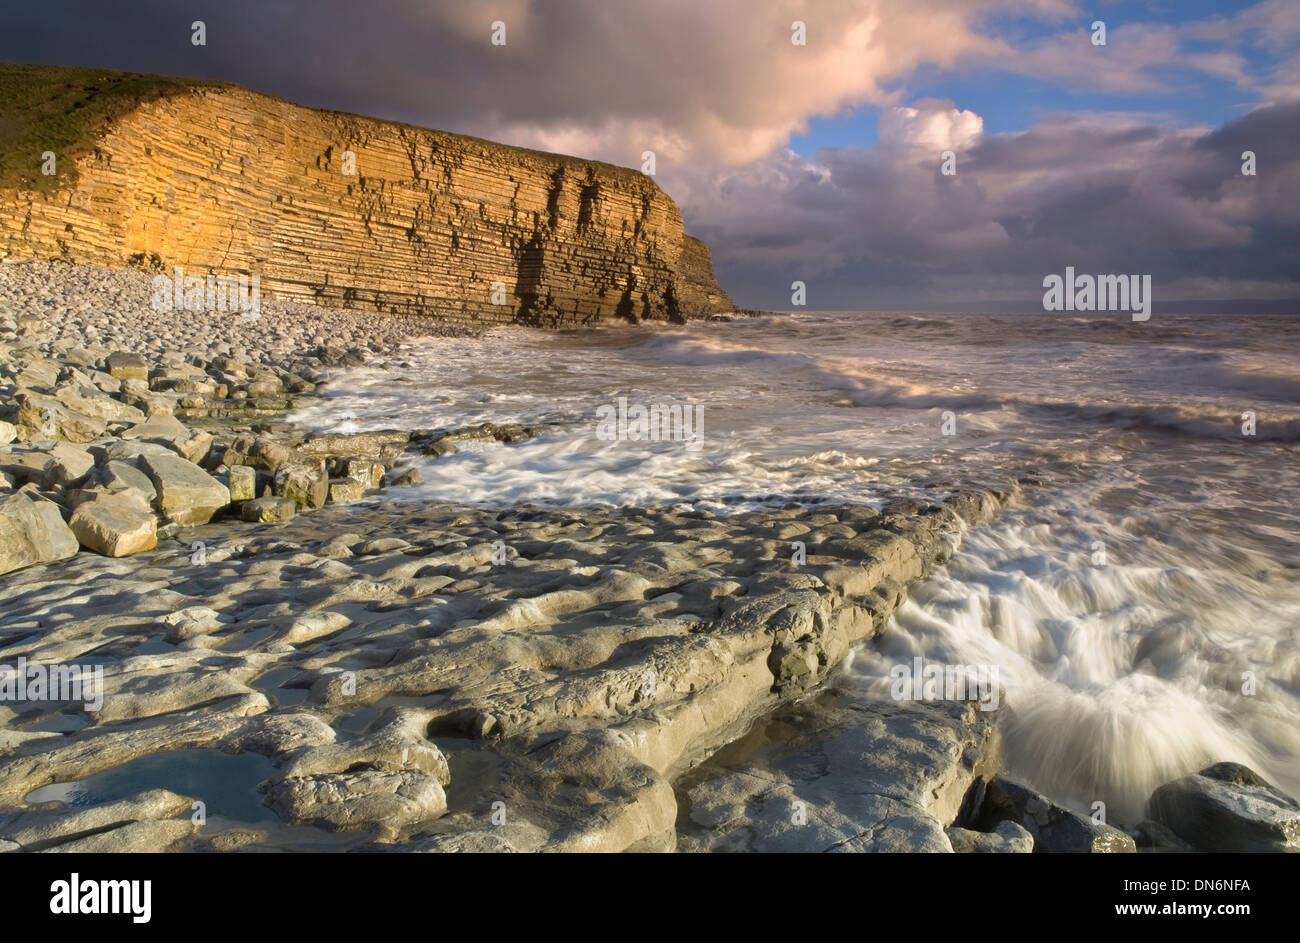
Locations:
(700, 290)
(221, 180)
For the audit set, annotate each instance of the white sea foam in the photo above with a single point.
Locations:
(1119, 676)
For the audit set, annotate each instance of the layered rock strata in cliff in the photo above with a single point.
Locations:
(220, 180)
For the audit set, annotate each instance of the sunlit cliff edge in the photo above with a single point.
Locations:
(160, 172)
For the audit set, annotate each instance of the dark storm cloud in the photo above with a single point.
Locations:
(716, 90)
(723, 74)
(866, 226)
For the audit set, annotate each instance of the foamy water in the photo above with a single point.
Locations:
(1152, 575)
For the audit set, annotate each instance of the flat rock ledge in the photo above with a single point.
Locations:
(840, 773)
(436, 679)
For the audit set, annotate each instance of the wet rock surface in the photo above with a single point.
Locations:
(1054, 829)
(1007, 838)
(40, 829)
(414, 687)
(840, 773)
(32, 531)
(1227, 807)
(437, 678)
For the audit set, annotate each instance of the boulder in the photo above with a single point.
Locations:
(84, 397)
(120, 475)
(303, 482)
(130, 451)
(1228, 807)
(39, 374)
(260, 452)
(46, 418)
(1151, 836)
(405, 477)
(264, 386)
(242, 482)
(364, 470)
(268, 510)
(196, 447)
(199, 385)
(441, 447)
(83, 357)
(67, 466)
(1054, 829)
(59, 466)
(125, 365)
(151, 404)
(32, 531)
(72, 498)
(160, 427)
(115, 525)
(345, 490)
(177, 369)
(491, 431)
(230, 366)
(372, 445)
(106, 383)
(25, 465)
(186, 493)
(8, 432)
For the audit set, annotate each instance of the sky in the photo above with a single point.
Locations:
(821, 162)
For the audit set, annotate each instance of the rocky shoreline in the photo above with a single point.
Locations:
(135, 425)
(388, 676)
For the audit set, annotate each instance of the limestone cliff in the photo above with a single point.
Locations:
(218, 179)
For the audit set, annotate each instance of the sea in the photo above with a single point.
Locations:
(1141, 599)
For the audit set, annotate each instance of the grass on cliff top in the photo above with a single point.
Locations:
(64, 110)
(52, 108)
